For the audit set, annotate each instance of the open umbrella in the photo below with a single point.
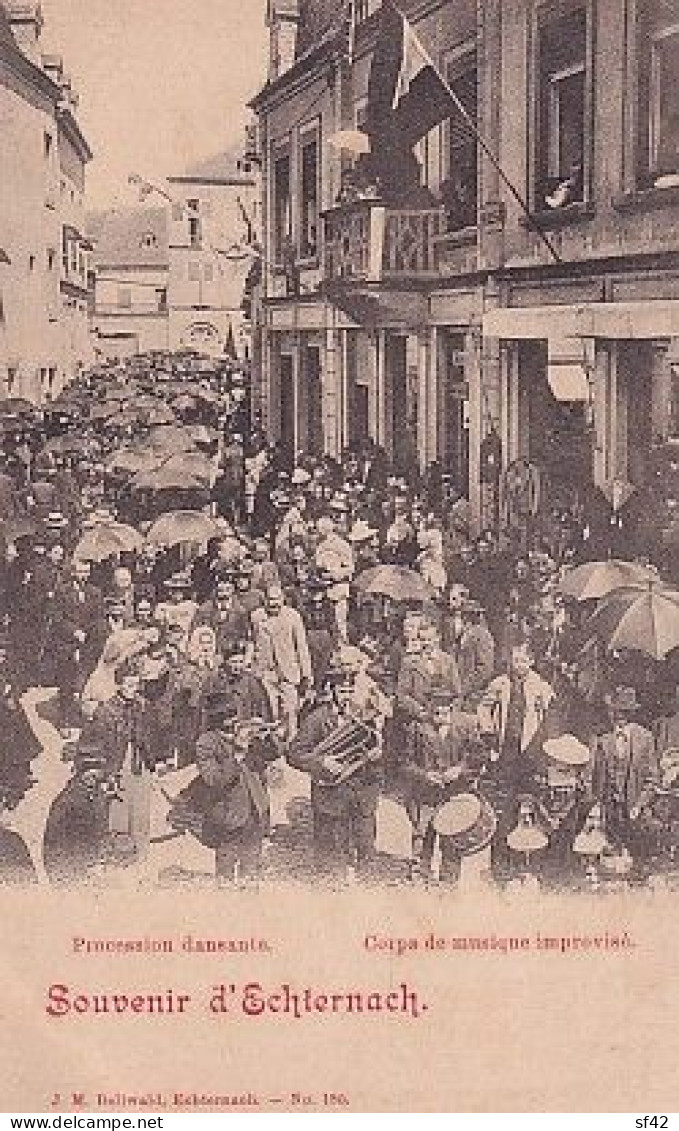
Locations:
(176, 527)
(107, 540)
(594, 580)
(201, 434)
(191, 465)
(76, 445)
(396, 582)
(157, 415)
(639, 620)
(350, 141)
(13, 406)
(105, 411)
(169, 438)
(17, 527)
(168, 476)
(133, 460)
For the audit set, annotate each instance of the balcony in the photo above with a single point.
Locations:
(367, 242)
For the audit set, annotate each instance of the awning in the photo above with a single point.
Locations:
(657, 318)
(566, 372)
(380, 310)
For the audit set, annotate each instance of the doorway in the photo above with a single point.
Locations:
(558, 431)
(287, 409)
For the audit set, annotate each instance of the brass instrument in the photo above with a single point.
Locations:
(353, 745)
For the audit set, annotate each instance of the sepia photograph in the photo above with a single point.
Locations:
(339, 461)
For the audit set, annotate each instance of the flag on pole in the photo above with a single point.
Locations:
(407, 96)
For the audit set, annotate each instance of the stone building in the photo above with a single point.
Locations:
(520, 301)
(44, 252)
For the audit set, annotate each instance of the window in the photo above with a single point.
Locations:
(363, 9)
(177, 211)
(208, 272)
(65, 253)
(657, 60)
(51, 259)
(161, 298)
(148, 239)
(11, 378)
(195, 233)
(563, 136)
(125, 298)
(48, 143)
(309, 203)
(282, 206)
(459, 189)
(194, 272)
(673, 426)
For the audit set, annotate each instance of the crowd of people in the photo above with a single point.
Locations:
(274, 650)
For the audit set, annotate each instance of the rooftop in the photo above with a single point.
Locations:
(222, 168)
(130, 237)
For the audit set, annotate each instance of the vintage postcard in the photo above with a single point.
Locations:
(339, 555)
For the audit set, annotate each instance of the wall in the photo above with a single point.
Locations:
(29, 230)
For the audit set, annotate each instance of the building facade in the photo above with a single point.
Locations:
(173, 276)
(44, 251)
(214, 227)
(131, 270)
(519, 303)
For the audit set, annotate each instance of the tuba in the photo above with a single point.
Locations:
(354, 744)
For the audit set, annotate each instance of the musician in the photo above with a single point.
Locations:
(76, 838)
(422, 671)
(626, 773)
(227, 805)
(565, 794)
(344, 815)
(474, 649)
(512, 715)
(439, 766)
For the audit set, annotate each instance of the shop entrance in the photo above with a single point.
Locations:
(287, 409)
(559, 439)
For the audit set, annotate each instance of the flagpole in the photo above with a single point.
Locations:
(459, 106)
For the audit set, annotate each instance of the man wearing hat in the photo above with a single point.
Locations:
(435, 769)
(224, 613)
(344, 815)
(566, 797)
(474, 650)
(227, 805)
(77, 633)
(626, 773)
(335, 558)
(280, 635)
(512, 715)
(76, 837)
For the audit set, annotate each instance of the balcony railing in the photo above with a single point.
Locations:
(367, 242)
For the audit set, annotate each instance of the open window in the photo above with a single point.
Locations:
(657, 52)
(563, 136)
(309, 195)
(459, 188)
(282, 206)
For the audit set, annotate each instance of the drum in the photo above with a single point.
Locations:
(466, 822)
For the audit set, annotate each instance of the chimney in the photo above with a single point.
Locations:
(26, 21)
(282, 21)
